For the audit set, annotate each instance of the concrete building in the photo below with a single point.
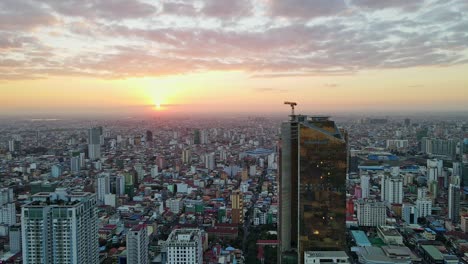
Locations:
(187, 156)
(392, 189)
(371, 213)
(237, 205)
(439, 147)
(424, 207)
(56, 171)
(75, 165)
(397, 143)
(316, 257)
(7, 207)
(94, 143)
(175, 205)
(210, 161)
(60, 231)
(454, 203)
(390, 235)
(137, 245)
(120, 185)
(185, 246)
(15, 238)
(8, 214)
(410, 214)
(365, 188)
(103, 187)
(464, 223)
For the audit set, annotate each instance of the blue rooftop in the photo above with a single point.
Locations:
(361, 238)
(259, 151)
(371, 167)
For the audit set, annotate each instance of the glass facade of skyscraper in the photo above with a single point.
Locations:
(313, 187)
(322, 187)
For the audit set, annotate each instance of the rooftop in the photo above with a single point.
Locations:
(433, 252)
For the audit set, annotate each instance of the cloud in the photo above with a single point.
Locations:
(23, 15)
(306, 8)
(266, 41)
(106, 9)
(269, 90)
(401, 4)
(227, 8)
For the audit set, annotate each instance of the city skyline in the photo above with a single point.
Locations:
(127, 57)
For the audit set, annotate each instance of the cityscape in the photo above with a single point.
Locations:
(233, 131)
(305, 189)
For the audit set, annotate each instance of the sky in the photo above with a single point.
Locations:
(164, 57)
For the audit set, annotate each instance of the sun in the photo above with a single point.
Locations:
(158, 106)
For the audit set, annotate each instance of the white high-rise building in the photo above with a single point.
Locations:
(94, 143)
(187, 156)
(210, 161)
(392, 190)
(8, 214)
(422, 193)
(137, 245)
(204, 137)
(15, 238)
(120, 185)
(75, 164)
(397, 143)
(175, 205)
(60, 231)
(185, 246)
(103, 187)
(7, 207)
(56, 171)
(424, 207)
(6, 196)
(434, 170)
(140, 171)
(154, 171)
(371, 213)
(410, 214)
(365, 185)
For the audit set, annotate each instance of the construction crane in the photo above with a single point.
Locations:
(292, 104)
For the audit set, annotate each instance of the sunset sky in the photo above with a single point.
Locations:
(232, 56)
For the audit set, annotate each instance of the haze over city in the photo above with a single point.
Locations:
(197, 57)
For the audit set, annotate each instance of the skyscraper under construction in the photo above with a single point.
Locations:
(312, 187)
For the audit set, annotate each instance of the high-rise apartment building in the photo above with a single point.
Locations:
(210, 161)
(365, 188)
(184, 246)
(57, 229)
(312, 187)
(137, 245)
(186, 156)
(442, 147)
(7, 207)
(371, 213)
(120, 185)
(103, 187)
(424, 207)
(410, 214)
(392, 189)
(237, 205)
(15, 238)
(94, 143)
(454, 199)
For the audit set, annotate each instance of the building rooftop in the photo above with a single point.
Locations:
(433, 252)
(325, 254)
(361, 238)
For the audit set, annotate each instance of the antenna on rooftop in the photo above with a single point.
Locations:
(292, 104)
